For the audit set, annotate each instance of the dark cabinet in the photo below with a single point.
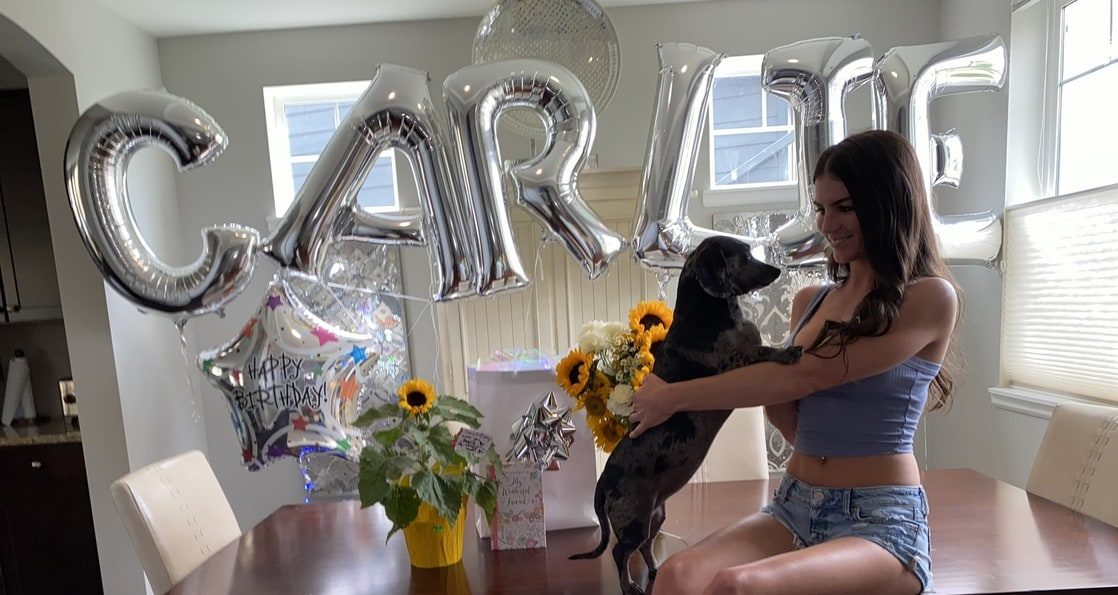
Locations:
(28, 281)
(47, 543)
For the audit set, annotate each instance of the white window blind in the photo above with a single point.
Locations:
(1060, 301)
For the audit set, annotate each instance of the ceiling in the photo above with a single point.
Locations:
(163, 18)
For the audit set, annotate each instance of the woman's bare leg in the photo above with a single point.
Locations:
(753, 538)
(848, 565)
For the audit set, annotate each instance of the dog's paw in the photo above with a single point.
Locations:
(792, 355)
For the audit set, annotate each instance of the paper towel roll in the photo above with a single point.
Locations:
(17, 390)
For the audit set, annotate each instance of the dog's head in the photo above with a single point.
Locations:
(725, 267)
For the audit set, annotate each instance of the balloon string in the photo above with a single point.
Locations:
(662, 280)
(428, 309)
(531, 338)
(180, 325)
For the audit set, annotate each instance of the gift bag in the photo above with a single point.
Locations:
(502, 396)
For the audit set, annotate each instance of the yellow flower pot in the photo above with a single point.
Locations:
(432, 542)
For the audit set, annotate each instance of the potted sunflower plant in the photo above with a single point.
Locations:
(609, 364)
(415, 468)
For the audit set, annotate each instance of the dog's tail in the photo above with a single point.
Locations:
(603, 521)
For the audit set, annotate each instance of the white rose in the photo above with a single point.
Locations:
(614, 329)
(592, 337)
(620, 400)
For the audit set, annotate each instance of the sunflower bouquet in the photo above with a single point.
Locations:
(413, 460)
(611, 361)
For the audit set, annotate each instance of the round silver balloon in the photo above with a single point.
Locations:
(98, 151)
(906, 81)
(546, 185)
(814, 76)
(291, 380)
(664, 234)
(394, 112)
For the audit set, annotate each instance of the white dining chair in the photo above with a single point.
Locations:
(177, 516)
(1077, 465)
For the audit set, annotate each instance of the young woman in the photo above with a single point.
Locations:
(849, 516)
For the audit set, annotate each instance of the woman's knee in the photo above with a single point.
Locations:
(684, 572)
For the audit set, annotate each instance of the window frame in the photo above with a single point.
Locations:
(279, 148)
(1054, 89)
(764, 195)
(1023, 399)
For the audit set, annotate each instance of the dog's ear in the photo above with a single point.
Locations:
(711, 270)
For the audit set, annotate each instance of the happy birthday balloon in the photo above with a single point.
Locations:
(291, 381)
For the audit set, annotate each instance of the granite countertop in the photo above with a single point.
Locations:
(55, 432)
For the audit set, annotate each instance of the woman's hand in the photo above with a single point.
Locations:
(653, 404)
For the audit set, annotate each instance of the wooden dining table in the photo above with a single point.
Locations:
(987, 537)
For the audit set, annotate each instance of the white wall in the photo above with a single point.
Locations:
(976, 434)
(11, 77)
(74, 53)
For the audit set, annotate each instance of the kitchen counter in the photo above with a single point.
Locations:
(55, 432)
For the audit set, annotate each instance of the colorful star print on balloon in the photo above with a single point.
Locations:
(290, 379)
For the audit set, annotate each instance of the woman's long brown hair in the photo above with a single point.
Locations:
(881, 172)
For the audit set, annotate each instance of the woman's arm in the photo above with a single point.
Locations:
(783, 416)
(927, 315)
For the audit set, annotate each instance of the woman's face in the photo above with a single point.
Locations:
(837, 221)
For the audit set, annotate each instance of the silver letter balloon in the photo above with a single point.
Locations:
(908, 79)
(394, 112)
(815, 76)
(101, 144)
(546, 185)
(664, 234)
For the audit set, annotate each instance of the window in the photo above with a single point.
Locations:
(751, 136)
(301, 120)
(1060, 298)
(1087, 84)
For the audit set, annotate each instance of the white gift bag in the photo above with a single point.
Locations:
(502, 397)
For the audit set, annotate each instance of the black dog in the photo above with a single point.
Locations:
(709, 335)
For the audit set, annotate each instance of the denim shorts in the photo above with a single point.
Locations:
(893, 517)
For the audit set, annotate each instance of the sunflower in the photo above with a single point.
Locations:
(608, 432)
(648, 315)
(416, 396)
(656, 336)
(573, 372)
(601, 382)
(594, 403)
(639, 375)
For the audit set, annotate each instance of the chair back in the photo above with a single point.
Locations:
(1077, 464)
(177, 516)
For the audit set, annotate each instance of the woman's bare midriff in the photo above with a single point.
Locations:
(855, 472)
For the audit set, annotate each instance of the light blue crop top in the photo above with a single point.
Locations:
(872, 416)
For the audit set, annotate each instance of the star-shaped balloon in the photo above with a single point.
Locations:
(290, 378)
(543, 434)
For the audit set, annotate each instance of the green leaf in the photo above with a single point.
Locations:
(441, 492)
(397, 466)
(495, 460)
(401, 507)
(486, 497)
(441, 439)
(385, 411)
(372, 484)
(446, 406)
(387, 438)
(423, 451)
(463, 417)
